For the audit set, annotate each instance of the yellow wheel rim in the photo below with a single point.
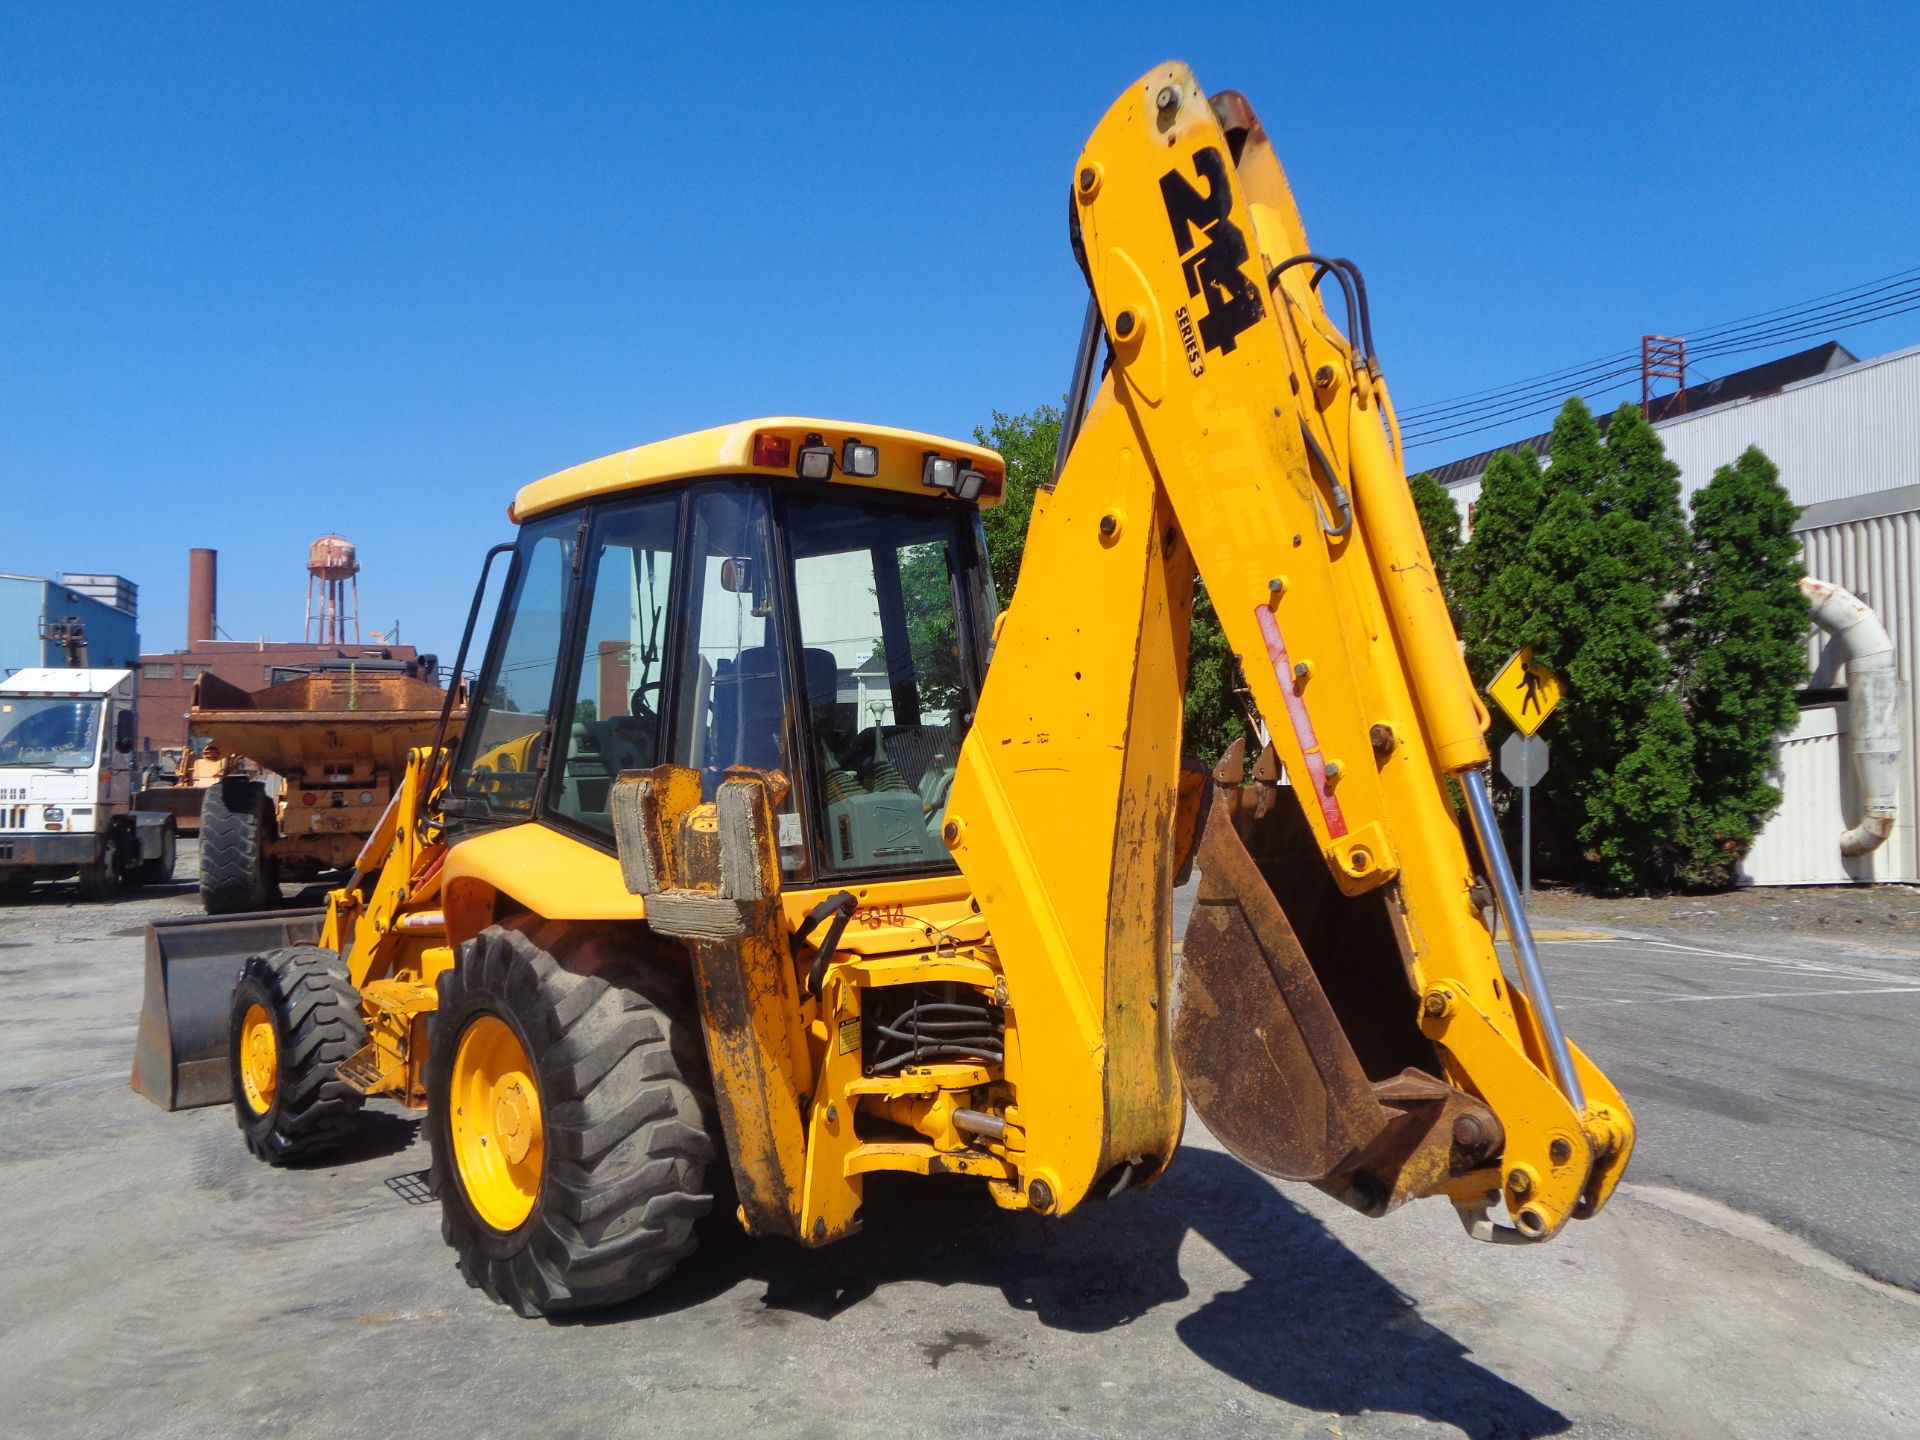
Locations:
(259, 1058)
(498, 1142)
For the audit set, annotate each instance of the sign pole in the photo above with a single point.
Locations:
(1526, 825)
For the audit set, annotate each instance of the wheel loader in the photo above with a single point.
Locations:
(771, 856)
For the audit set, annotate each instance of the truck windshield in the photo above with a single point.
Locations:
(46, 731)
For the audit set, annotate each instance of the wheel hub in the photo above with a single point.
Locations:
(259, 1059)
(495, 1124)
(513, 1118)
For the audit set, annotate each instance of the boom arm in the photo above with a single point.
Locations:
(1239, 432)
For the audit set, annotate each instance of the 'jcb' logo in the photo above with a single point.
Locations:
(1212, 251)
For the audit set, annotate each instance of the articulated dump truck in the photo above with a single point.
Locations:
(337, 738)
(750, 876)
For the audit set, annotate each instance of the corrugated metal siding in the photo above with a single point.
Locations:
(1878, 559)
(113, 636)
(1797, 847)
(1851, 432)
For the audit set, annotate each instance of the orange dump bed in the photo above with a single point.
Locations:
(337, 723)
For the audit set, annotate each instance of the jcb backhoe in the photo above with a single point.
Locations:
(750, 874)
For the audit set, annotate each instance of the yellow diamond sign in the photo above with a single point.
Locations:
(1526, 691)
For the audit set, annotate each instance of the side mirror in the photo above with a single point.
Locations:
(123, 732)
(739, 575)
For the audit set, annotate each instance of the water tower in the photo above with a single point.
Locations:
(333, 593)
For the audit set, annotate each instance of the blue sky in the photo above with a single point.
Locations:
(268, 271)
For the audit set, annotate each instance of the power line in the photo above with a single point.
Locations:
(1854, 307)
(1789, 319)
(1839, 309)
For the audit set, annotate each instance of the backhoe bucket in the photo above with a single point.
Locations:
(1295, 1026)
(180, 1059)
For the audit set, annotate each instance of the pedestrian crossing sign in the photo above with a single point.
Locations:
(1525, 690)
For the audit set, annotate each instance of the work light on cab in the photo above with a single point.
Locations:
(940, 472)
(860, 460)
(816, 460)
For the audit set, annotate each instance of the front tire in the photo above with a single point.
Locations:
(570, 1116)
(103, 876)
(295, 1017)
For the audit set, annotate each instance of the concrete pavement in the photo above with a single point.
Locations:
(161, 1283)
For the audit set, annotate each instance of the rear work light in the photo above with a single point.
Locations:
(772, 450)
(858, 459)
(962, 481)
(939, 472)
(816, 460)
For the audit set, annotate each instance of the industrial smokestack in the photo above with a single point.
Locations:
(202, 589)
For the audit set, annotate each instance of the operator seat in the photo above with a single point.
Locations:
(758, 714)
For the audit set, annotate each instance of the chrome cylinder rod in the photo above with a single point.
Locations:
(1473, 783)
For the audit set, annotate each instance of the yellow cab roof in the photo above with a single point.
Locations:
(728, 450)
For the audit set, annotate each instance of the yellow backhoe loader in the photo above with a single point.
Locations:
(750, 875)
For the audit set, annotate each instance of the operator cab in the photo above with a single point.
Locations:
(796, 596)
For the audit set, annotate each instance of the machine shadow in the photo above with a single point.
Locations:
(379, 1134)
(1313, 1325)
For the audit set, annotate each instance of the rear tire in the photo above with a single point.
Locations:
(159, 870)
(236, 873)
(624, 1129)
(295, 1017)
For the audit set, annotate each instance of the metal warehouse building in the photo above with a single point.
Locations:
(77, 620)
(1846, 436)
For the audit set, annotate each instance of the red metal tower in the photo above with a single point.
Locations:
(1663, 357)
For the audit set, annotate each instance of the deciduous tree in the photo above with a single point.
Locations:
(1028, 442)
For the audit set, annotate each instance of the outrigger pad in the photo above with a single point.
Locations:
(180, 1059)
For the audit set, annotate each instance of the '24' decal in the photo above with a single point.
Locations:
(1212, 253)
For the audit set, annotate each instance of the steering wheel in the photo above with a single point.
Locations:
(643, 709)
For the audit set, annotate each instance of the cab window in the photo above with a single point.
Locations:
(500, 753)
(888, 688)
(618, 664)
(732, 680)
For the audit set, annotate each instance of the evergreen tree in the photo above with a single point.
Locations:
(1491, 582)
(1645, 485)
(1440, 519)
(1741, 653)
(1602, 586)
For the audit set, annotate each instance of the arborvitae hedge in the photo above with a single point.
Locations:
(1680, 651)
(1740, 650)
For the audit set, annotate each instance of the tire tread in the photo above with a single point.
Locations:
(629, 1117)
(318, 1014)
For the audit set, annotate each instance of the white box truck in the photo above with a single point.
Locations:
(67, 785)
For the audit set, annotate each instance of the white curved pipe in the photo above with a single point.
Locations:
(1873, 707)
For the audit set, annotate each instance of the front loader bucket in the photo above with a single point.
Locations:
(180, 1059)
(1295, 1027)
